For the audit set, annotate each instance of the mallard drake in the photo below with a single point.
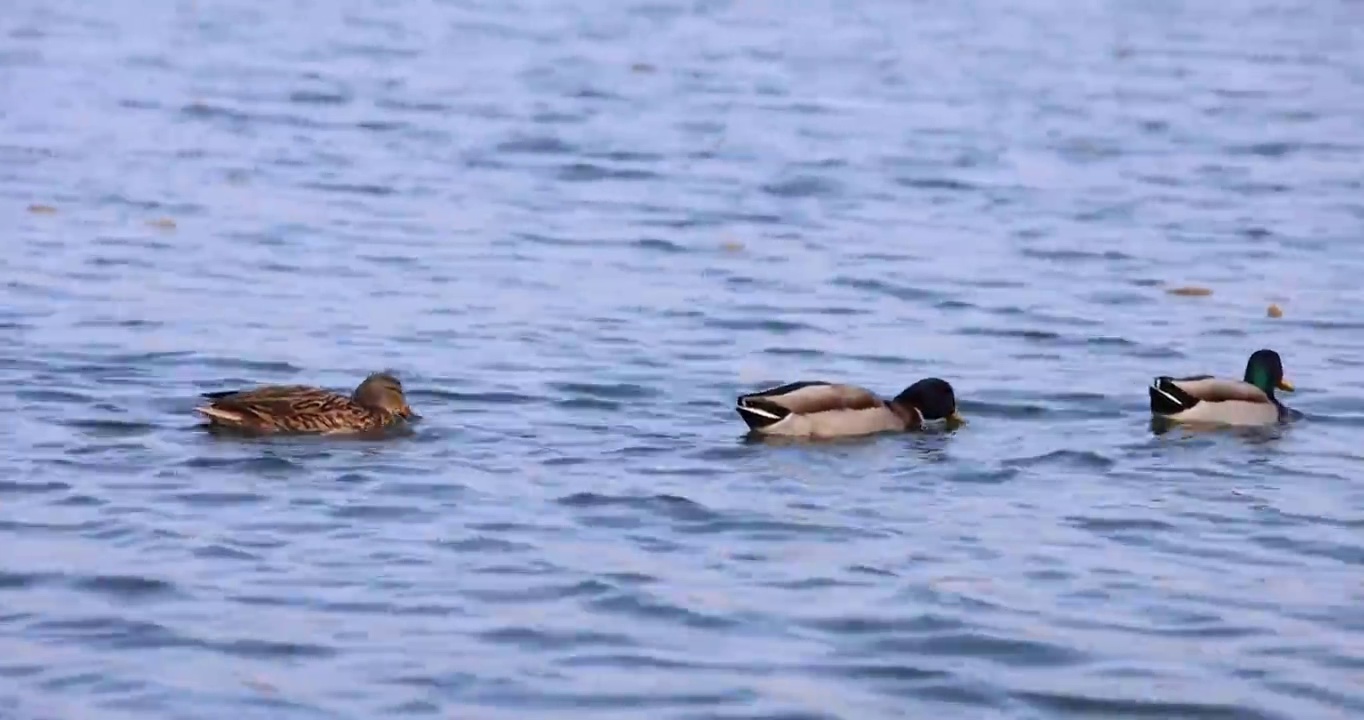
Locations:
(825, 410)
(377, 403)
(1206, 399)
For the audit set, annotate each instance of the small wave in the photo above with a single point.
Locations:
(662, 246)
(762, 529)
(536, 593)
(240, 119)
(1119, 525)
(492, 397)
(887, 288)
(13, 487)
(878, 671)
(1070, 458)
(111, 632)
(606, 391)
(983, 645)
(375, 511)
(1073, 704)
(1013, 333)
(125, 587)
(761, 324)
(590, 172)
(271, 649)
(797, 352)
(626, 156)
(636, 660)
(257, 366)
(670, 506)
(937, 183)
(111, 428)
(1073, 255)
(320, 97)
(983, 476)
(640, 605)
(370, 189)
(536, 698)
(1002, 409)
(223, 552)
(24, 580)
(540, 639)
(217, 498)
(588, 403)
(480, 544)
(814, 583)
(803, 187)
(264, 464)
(1348, 554)
(536, 145)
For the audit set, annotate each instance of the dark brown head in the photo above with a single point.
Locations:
(383, 392)
(933, 398)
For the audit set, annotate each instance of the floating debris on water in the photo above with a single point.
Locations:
(1190, 291)
(38, 209)
(163, 223)
(260, 686)
(1275, 311)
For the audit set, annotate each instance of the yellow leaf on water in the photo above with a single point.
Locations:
(1275, 311)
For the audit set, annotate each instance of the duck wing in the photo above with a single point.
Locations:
(812, 397)
(1211, 389)
(294, 407)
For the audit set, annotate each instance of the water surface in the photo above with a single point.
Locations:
(577, 231)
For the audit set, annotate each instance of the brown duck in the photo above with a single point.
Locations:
(377, 403)
(827, 410)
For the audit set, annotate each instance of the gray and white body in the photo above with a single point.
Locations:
(827, 410)
(1208, 400)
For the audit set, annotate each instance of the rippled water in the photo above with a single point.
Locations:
(577, 231)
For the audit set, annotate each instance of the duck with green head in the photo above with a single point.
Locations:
(1205, 399)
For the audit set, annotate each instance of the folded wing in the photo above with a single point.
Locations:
(1210, 389)
(809, 398)
(268, 405)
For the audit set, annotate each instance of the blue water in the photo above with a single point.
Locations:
(577, 231)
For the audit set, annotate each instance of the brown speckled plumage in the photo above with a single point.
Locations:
(377, 403)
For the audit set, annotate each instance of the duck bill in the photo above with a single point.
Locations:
(956, 417)
(1286, 386)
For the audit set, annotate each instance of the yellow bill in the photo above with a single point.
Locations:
(1285, 385)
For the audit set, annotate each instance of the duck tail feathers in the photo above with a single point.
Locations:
(758, 414)
(1167, 398)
